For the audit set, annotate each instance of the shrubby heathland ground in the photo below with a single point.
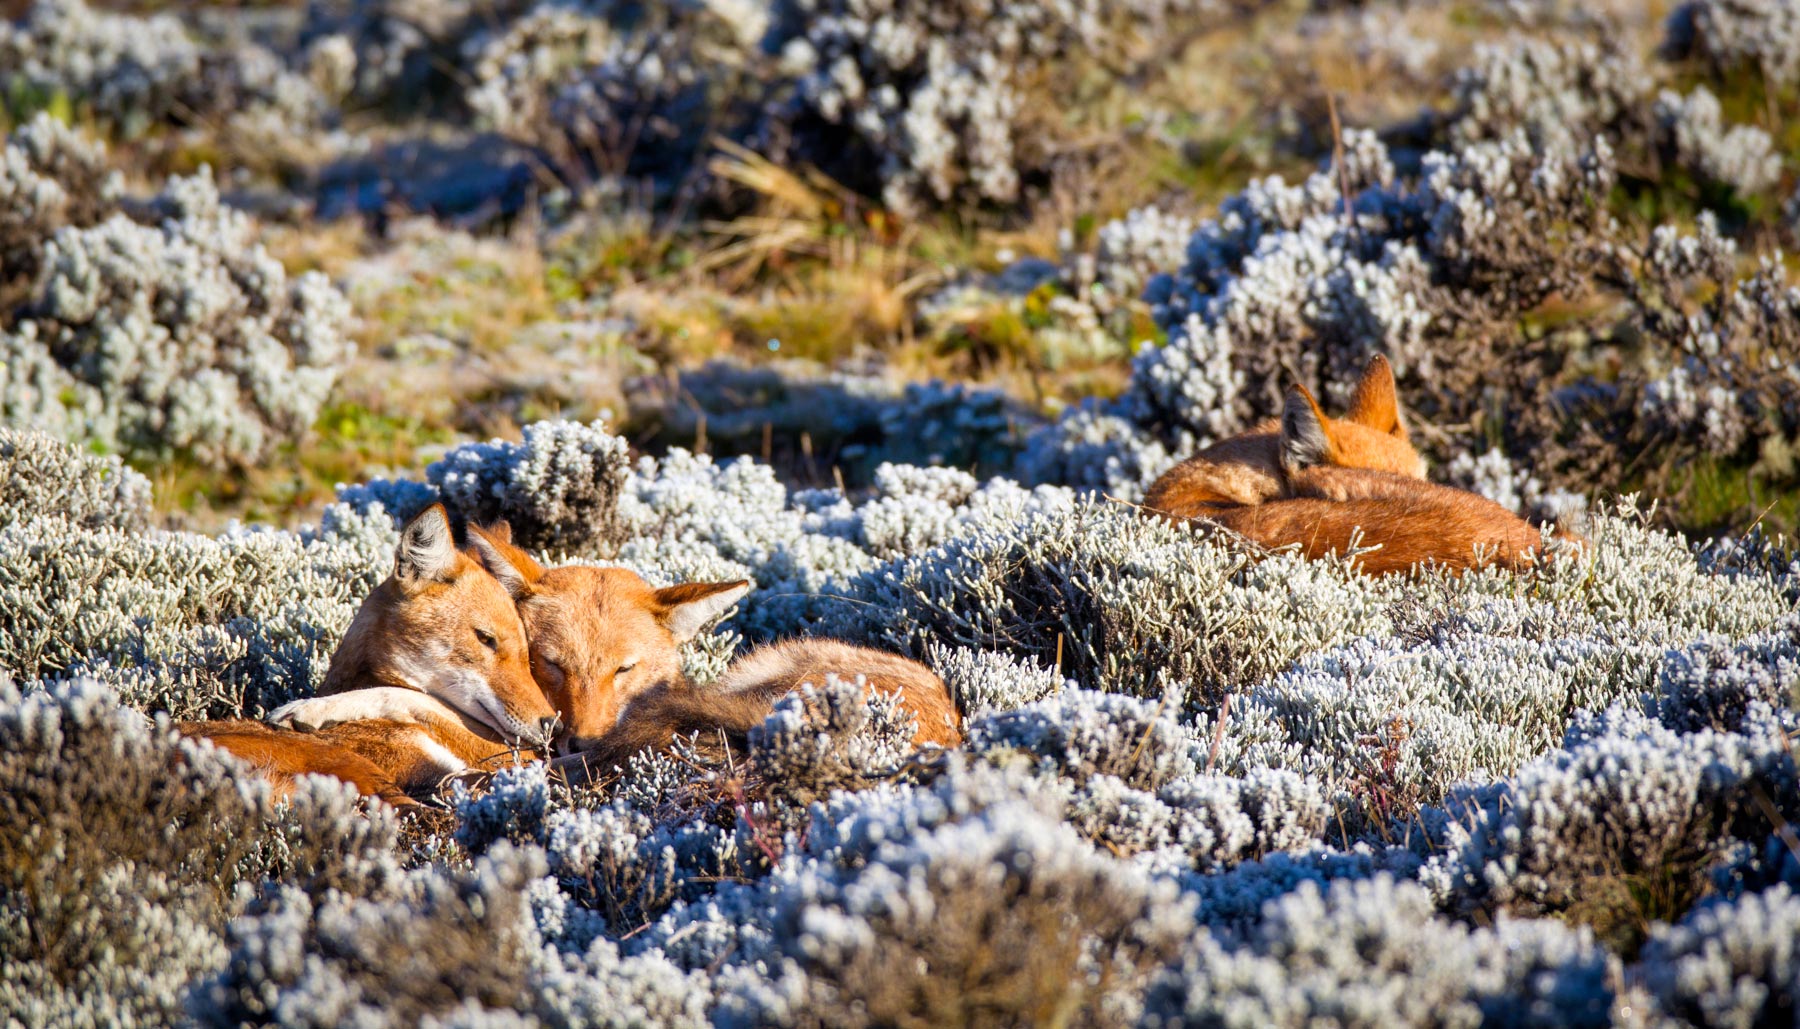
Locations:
(894, 309)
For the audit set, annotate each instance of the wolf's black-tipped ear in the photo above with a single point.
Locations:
(1305, 442)
(427, 550)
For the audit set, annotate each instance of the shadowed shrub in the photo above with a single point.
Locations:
(122, 847)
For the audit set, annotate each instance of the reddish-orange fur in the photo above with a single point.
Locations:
(1308, 481)
(1256, 467)
(451, 619)
(586, 624)
(1409, 522)
(280, 755)
(441, 617)
(747, 693)
(602, 642)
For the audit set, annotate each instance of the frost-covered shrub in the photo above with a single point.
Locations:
(622, 869)
(1731, 962)
(1132, 250)
(1129, 604)
(1483, 680)
(1371, 952)
(121, 846)
(829, 736)
(1627, 802)
(1729, 380)
(1280, 282)
(932, 96)
(1558, 91)
(559, 488)
(697, 519)
(1081, 733)
(600, 89)
(514, 806)
(1092, 449)
(1742, 157)
(612, 89)
(42, 477)
(196, 626)
(442, 944)
(598, 987)
(50, 178)
(177, 335)
(136, 72)
(987, 681)
(1738, 35)
(1003, 917)
(1711, 686)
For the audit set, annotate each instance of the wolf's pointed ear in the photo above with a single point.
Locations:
(427, 551)
(1304, 439)
(1375, 402)
(515, 569)
(687, 608)
(499, 532)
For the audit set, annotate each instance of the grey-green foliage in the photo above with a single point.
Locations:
(1372, 953)
(438, 943)
(1729, 962)
(559, 488)
(933, 924)
(196, 626)
(1490, 668)
(1126, 603)
(50, 177)
(166, 330)
(135, 72)
(122, 846)
(1626, 801)
(45, 477)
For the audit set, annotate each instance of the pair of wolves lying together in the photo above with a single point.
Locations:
(467, 659)
(470, 658)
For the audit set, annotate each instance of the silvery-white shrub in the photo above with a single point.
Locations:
(1712, 685)
(196, 626)
(50, 177)
(829, 736)
(439, 942)
(1626, 800)
(1483, 680)
(136, 72)
(1082, 733)
(925, 927)
(1128, 603)
(1371, 952)
(1738, 35)
(929, 96)
(123, 847)
(177, 335)
(559, 488)
(1729, 962)
(41, 477)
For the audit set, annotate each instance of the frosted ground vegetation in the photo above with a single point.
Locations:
(1209, 786)
(1313, 748)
